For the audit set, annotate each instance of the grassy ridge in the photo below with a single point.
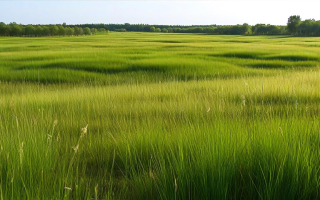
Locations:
(169, 117)
(148, 57)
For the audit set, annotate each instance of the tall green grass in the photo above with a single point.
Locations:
(141, 57)
(170, 116)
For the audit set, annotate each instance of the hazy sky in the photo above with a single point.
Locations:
(227, 12)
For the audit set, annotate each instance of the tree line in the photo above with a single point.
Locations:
(295, 26)
(308, 27)
(259, 29)
(14, 29)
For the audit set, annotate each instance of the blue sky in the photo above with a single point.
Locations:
(226, 12)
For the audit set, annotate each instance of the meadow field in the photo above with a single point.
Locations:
(160, 116)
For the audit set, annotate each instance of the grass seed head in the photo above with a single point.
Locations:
(96, 191)
(21, 152)
(68, 188)
(76, 148)
(84, 131)
(243, 100)
(152, 175)
(280, 129)
(55, 122)
(175, 185)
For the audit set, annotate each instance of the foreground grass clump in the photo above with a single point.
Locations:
(154, 117)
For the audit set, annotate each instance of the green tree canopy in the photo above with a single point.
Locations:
(15, 29)
(61, 30)
(94, 31)
(54, 30)
(38, 31)
(164, 30)
(46, 30)
(4, 29)
(30, 30)
(102, 30)
(80, 31)
(69, 31)
(86, 31)
(152, 29)
(293, 24)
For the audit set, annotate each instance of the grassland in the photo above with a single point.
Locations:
(160, 116)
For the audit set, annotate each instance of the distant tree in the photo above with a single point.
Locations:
(80, 31)
(38, 31)
(196, 30)
(15, 29)
(152, 29)
(69, 31)
(246, 29)
(274, 30)
(316, 28)
(293, 24)
(54, 30)
(158, 30)
(94, 31)
(102, 30)
(307, 27)
(120, 30)
(4, 29)
(208, 30)
(86, 31)
(76, 31)
(61, 30)
(177, 30)
(46, 30)
(30, 30)
(262, 29)
(164, 30)
(258, 29)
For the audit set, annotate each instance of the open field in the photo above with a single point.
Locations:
(170, 116)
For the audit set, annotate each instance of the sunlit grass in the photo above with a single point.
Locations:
(170, 116)
(144, 56)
